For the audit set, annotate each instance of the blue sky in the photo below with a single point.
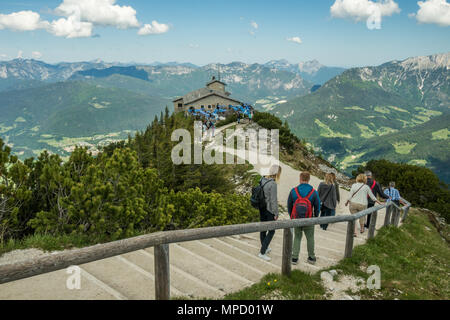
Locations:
(202, 32)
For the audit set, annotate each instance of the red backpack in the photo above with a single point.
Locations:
(302, 206)
(372, 187)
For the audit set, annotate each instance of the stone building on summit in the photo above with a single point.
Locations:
(208, 98)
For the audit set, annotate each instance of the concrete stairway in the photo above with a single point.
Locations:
(209, 268)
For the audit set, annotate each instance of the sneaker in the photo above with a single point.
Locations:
(294, 261)
(312, 261)
(264, 257)
(269, 250)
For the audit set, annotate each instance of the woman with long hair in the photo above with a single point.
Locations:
(328, 198)
(269, 184)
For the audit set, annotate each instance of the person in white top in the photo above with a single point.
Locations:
(358, 198)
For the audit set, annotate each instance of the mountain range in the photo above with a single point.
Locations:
(46, 106)
(312, 71)
(397, 111)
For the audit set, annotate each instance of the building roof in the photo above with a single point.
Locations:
(213, 93)
(215, 80)
(203, 93)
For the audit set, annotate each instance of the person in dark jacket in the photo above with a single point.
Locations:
(304, 189)
(376, 190)
(328, 198)
(336, 184)
(270, 213)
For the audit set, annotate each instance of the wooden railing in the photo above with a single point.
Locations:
(161, 240)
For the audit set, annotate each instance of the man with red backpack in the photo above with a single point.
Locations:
(376, 190)
(304, 203)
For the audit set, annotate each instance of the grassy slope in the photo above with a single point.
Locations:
(429, 142)
(414, 262)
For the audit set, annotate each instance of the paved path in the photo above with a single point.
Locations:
(209, 268)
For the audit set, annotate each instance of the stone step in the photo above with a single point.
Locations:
(52, 286)
(189, 285)
(229, 262)
(117, 274)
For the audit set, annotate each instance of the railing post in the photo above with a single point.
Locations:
(162, 272)
(349, 240)
(373, 225)
(394, 215)
(287, 252)
(387, 218)
(405, 215)
(397, 217)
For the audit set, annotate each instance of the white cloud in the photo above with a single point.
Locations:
(194, 46)
(434, 11)
(3, 56)
(254, 25)
(79, 17)
(100, 12)
(36, 55)
(22, 21)
(359, 10)
(295, 39)
(154, 28)
(71, 27)
(20, 54)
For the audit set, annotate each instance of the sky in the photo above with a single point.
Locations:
(344, 33)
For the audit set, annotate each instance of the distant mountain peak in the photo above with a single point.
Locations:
(428, 62)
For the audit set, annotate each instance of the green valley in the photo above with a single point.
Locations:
(59, 116)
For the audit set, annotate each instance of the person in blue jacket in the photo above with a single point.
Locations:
(304, 189)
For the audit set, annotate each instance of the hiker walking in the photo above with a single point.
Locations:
(376, 190)
(358, 199)
(328, 198)
(304, 203)
(393, 194)
(265, 198)
(336, 184)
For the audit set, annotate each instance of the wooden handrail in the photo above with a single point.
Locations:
(161, 240)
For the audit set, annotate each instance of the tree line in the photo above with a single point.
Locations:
(419, 185)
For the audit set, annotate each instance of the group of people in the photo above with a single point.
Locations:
(241, 115)
(209, 127)
(306, 202)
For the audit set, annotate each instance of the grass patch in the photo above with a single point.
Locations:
(418, 162)
(299, 286)
(404, 147)
(325, 131)
(414, 261)
(384, 110)
(399, 109)
(366, 133)
(443, 134)
(356, 108)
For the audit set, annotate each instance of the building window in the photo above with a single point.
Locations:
(209, 107)
(180, 105)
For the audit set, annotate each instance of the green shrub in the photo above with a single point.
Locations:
(418, 185)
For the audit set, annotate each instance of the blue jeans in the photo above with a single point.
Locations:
(326, 212)
(266, 237)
